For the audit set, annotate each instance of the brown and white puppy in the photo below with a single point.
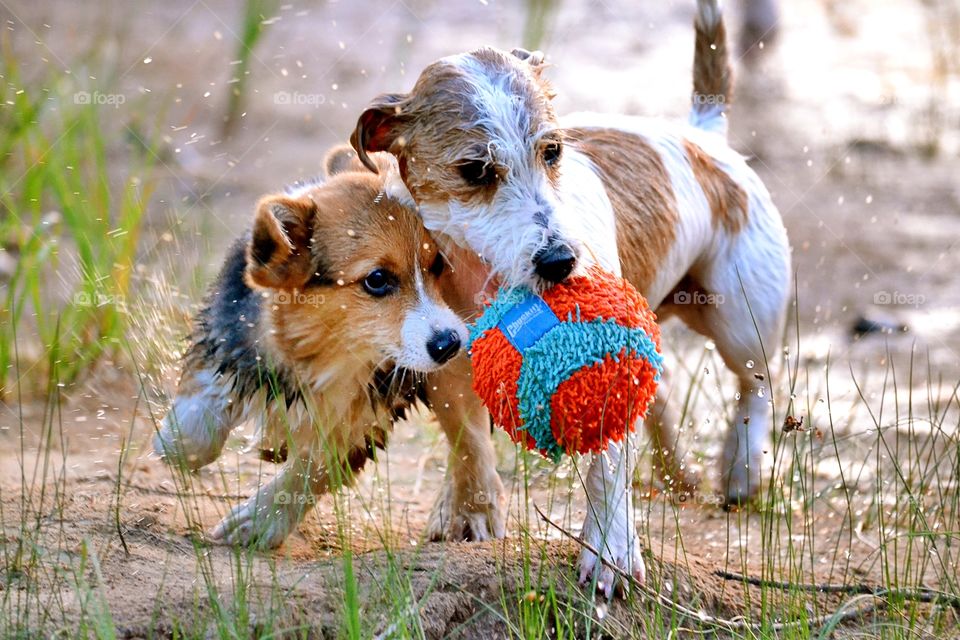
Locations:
(500, 179)
(320, 318)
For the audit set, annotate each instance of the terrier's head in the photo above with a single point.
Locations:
(480, 151)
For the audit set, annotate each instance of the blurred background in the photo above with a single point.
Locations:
(136, 137)
(170, 120)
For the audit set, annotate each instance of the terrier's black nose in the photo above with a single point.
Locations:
(555, 262)
(443, 345)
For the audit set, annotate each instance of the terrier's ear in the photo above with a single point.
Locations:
(278, 255)
(342, 159)
(380, 126)
(533, 58)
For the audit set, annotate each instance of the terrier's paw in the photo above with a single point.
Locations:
(468, 514)
(621, 551)
(741, 483)
(262, 522)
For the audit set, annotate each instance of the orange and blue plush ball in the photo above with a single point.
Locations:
(570, 370)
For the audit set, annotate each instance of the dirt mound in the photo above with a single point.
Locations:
(151, 569)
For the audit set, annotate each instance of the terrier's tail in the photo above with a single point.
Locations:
(712, 75)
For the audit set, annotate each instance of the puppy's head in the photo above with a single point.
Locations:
(350, 278)
(480, 152)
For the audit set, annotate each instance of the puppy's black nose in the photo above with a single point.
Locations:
(554, 263)
(443, 345)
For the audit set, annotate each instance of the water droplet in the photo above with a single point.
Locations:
(750, 364)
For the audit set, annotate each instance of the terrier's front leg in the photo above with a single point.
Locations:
(609, 525)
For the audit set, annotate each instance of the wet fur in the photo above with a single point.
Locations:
(289, 338)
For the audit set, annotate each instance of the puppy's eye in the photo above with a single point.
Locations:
(437, 266)
(380, 282)
(478, 173)
(552, 152)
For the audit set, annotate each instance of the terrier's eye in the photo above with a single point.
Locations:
(437, 266)
(552, 152)
(478, 173)
(380, 283)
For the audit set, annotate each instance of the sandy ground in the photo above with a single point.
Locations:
(857, 140)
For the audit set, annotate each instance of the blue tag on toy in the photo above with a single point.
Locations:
(527, 321)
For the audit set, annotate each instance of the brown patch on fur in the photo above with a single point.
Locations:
(727, 199)
(639, 189)
(431, 183)
(432, 130)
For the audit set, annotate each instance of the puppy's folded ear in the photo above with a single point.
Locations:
(379, 126)
(533, 58)
(342, 159)
(278, 255)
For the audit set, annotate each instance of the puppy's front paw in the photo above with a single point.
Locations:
(620, 547)
(179, 451)
(262, 522)
(469, 513)
(190, 437)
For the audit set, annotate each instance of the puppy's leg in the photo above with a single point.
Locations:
(609, 526)
(472, 503)
(266, 519)
(193, 432)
